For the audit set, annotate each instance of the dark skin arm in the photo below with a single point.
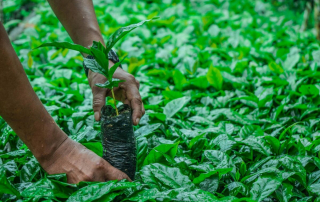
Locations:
(23, 111)
(79, 19)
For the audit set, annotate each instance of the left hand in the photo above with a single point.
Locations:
(127, 92)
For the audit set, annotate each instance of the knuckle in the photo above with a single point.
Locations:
(98, 99)
(94, 78)
(122, 176)
(100, 165)
(97, 103)
(88, 177)
(122, 86)
(137, 100)
(131, 77)
(96, 89)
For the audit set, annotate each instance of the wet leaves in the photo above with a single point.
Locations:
(231, 92)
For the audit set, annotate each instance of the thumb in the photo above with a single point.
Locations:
(99, 100)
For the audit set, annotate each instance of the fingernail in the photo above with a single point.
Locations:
(137, 120)
(96, 116)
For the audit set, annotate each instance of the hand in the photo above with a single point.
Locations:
(127, 93)
(80, 164)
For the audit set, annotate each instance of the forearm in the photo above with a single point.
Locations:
(79, 19)
(21, 108)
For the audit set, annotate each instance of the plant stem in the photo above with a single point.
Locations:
(114, 101)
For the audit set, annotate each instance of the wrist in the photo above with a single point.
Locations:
(45, 149)
(65, 148)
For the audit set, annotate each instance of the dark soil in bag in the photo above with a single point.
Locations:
(118, 141)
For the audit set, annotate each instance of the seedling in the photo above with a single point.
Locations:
(100, 54)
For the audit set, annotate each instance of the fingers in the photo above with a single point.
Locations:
(99, 100)
(99, 94)
(136, 104)
(127, 92)
(132, 97)
(112, 173)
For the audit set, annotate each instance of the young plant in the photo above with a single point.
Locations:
(100, 54)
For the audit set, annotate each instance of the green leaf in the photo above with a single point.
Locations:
(46, 188)
(210, 184)
(264, 187)
(17, 153)
(66, 45)
(164, 178)
(5, 186)
(309, 90)
(314, 188)
(114, 83)
(100, 191)
(157, 154)
(30, 60)
(142, 151)
(258, 144)
(146, 130)
(120, 33)
(203, 176)
(219, 159)
(175, 106)
(199, 82)
(215, 78)
(114, 68)
(96, 147)
(179, 79)
(250, 130)
(237, 187)
(274, 142)
(265, 97)
(94, 66)
(29, 170)
(291, 61)
(268, 171)
(172, 94)
(293, 165)
(275, 68)
(243, 168)
(144, 195)
(288, 128)
(101, 59)
(313, 177)
(195, 195)
(98, 45)
(198, 147)
(284, 192)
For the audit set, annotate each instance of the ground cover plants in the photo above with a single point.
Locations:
(231, 91)
(118, 140)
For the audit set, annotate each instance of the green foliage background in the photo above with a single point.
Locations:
(231, 90)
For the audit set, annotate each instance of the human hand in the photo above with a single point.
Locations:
(127, 93)
(80, 164)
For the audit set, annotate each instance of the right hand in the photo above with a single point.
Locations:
(127, 93)
(81, 164)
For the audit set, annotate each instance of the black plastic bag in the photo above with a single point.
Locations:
(118, 141)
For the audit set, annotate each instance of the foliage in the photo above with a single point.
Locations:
(100, 54)
(231, 91)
